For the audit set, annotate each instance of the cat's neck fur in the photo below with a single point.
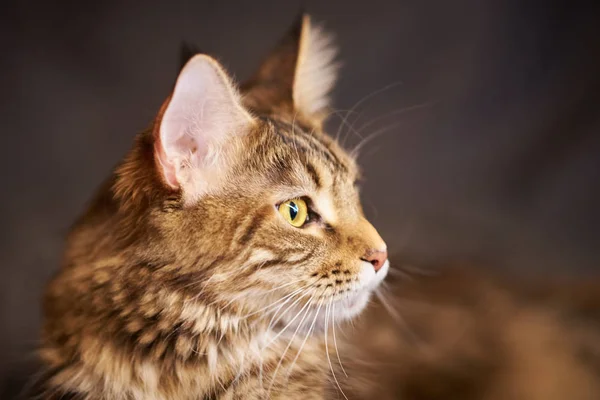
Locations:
(160, 344)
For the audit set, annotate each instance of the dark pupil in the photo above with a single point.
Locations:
(293, 210)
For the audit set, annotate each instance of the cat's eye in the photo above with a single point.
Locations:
(294, 211)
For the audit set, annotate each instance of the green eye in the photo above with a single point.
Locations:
(294, 211)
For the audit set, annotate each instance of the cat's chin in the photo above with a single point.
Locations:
(351, 306)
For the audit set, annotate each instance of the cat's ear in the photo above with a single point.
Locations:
(316, 70)
(300, 73)
(196, 125)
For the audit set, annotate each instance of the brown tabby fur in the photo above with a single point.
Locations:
(158, 299)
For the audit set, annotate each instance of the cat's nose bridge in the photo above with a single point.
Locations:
(370, 235)
(366, 239)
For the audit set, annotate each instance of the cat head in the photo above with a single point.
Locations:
(240, 191)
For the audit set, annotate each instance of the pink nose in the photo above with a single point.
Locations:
(376, 257)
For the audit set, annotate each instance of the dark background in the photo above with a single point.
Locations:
(499, 163)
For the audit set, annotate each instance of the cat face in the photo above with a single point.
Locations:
(265, 217)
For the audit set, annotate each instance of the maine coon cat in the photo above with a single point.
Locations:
(222, 248)
(221, 255)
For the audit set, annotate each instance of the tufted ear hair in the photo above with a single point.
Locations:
(196, 127)
(298, 75)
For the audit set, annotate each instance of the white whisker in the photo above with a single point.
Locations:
(261, 293)
(274, 321)
(335, 340)
(400, 273)
(310, 330)
(272, 305)
(292, 320)
(345, 118)
(355, 151)
(289, 343)
(361, 101)
(383, 130)
(397, 317)
(327, 309)
(392, 113)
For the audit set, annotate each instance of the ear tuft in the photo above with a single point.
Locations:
(198, 121)
(316, 69)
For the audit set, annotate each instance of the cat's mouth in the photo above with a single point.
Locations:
(351, 305)
(322, 313)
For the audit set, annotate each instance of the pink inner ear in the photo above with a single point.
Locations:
(202, 112)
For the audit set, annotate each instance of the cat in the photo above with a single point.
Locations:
(222, 249)
(227, 253)
(474, 334)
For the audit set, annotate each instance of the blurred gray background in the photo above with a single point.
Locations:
(488, 145)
